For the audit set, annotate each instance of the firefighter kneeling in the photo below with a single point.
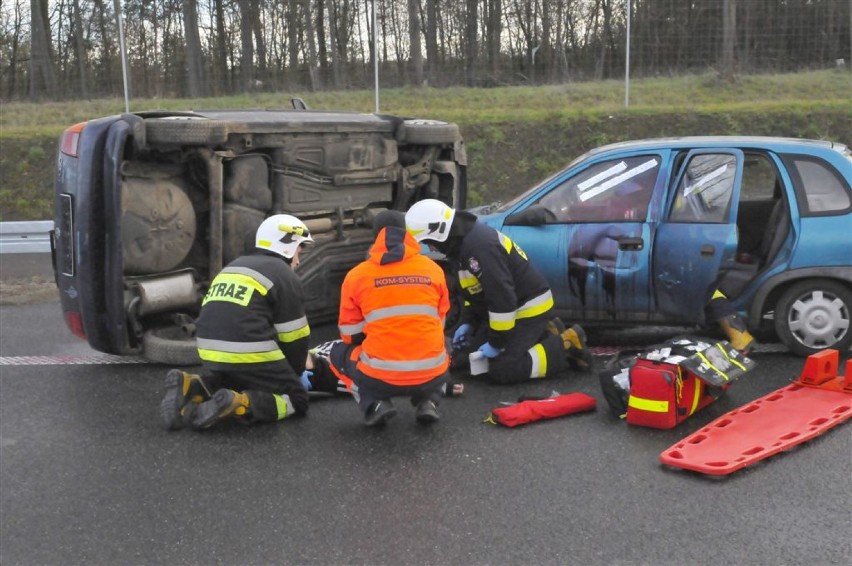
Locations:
(252, 337)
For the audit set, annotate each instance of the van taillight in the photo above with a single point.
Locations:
(75, 324)
(71, 139)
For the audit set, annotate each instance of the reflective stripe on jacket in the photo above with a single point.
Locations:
(253, 313)
(499, 283)
(394, 304)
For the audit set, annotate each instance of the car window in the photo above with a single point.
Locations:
(824, 190)
(610, 191)
(760, 179)
(705, 189)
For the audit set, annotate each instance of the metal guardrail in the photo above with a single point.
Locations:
(25, 237)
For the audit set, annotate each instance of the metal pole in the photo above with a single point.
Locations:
(376, 56)
(627, 61)
(120, 22)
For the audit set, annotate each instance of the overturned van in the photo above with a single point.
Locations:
(150, 206)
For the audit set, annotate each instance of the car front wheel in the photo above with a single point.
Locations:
(814, 315)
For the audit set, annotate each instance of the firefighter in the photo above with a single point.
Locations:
(252, 337)
(392, 311)
(507, 314)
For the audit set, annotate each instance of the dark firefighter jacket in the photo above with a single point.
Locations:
(253, 316)
(498, 282)
(394, 305)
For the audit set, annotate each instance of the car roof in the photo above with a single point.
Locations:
(764, 142)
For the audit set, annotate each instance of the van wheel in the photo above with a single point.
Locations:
(814, 315)
(428, 132)
(170, 345)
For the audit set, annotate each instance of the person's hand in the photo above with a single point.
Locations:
(305, 378)
(460, 336)
(490, 351)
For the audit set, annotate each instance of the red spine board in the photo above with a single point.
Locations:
(791, 415)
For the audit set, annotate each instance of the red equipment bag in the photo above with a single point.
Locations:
(662, 395)
(664, 385)
(536, 410)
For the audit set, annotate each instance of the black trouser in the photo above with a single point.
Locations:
(371, 389)
(515, 364)
(260, 384)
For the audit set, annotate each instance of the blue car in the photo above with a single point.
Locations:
(644, 232)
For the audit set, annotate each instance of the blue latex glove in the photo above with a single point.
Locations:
(305, 378)
(460, 336)
(489, 351)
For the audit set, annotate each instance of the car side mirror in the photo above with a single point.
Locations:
(536, 215)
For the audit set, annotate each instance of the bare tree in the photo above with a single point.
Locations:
(729, 35)
(311, 43)
(196, 86)
(80, 50)
(470, 42)
(246, 46)
(13, 55)
(42, 76)
(414, 42)
(432, 40)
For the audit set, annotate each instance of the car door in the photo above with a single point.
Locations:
(698, 237)
(587, 232)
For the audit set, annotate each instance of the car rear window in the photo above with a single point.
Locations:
(819, 187)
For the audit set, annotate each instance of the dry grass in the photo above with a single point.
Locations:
(28, 291)
(476, 105)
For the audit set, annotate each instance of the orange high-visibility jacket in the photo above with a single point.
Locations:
(394, 304)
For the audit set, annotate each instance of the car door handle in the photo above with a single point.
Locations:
(631, 244)
(708, 250)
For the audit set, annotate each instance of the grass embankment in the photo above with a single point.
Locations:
(515, 135)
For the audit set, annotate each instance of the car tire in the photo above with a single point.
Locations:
(428, 132)
(814, 315)
(171, 346)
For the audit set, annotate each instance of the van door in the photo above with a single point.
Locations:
(699, 235)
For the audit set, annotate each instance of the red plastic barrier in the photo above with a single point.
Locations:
(776, 422)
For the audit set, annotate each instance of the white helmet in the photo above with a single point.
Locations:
(282, 234)
(429, 219)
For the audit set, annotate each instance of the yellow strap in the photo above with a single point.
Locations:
(650, 405)
(696, 396)
(720, 372)
(730, 359)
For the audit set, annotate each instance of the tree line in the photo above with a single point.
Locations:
(67, 49)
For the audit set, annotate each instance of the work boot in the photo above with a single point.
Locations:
(225, 403)
(578, 354)
(577, 351)
(555, 326)
(379, 413)
(737, 333)
(182, 389)
(427, 412)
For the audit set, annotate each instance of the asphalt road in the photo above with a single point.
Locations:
(88, 476)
